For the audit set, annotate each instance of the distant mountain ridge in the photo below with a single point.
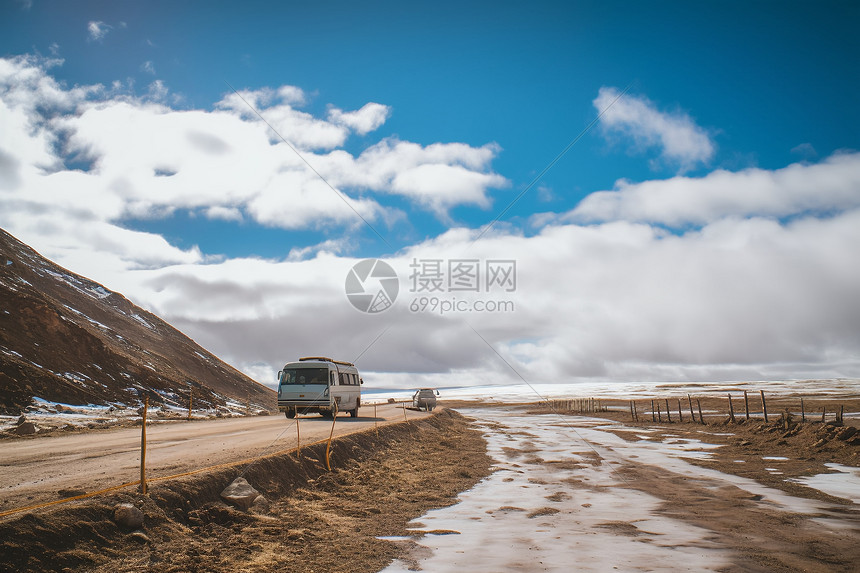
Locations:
(65, 338)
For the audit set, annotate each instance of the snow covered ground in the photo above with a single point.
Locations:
(557, 503)
(49, 415)
(629, 390)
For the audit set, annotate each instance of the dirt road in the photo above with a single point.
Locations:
(38, 470)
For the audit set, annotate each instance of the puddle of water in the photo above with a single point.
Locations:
(775, 458)
(558, 506)
(525, 517)
(845, 483)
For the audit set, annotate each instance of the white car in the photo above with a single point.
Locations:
(425, 399)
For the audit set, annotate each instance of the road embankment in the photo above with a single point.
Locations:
(311, 519)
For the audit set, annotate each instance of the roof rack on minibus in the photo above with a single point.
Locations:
(325, 359)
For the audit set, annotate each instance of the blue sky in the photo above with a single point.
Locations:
(761, 77)
(736, 114)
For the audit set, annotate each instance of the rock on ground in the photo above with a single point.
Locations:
(26, 429)
(240, 493)
(128, 516)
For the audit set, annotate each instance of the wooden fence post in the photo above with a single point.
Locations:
(659, 416)
(668, 414)
(653, 416)
(190, 399)
(680, 415)
(731, 409)
(841, 411)
(823, 412)
(632, 415)
(330, 436)
(298, 436)
(802, 411)
(701, 418)
(763, 405)
(143, 446)
(690, 400)
(746, 405)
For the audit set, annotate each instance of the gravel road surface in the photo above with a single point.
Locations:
(36, 470)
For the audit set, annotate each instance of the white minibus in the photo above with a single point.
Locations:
(316, 384)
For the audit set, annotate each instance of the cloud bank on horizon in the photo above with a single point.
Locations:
(751, 273)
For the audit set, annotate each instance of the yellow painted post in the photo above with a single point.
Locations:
(405, 419)
(143, 447)
(328, 445)
(298, 437)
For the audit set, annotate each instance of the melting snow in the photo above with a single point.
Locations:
(100, 292)
(529, 516)
(525, 517)
(141, 320)
(845, 483)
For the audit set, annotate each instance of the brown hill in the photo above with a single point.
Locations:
(65, 338)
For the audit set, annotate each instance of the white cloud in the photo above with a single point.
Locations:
(805, 150)
(292, 95)
(680, 141)
(823, 187)
(764, 285)
(224, 213)
(437, 176)
(369, 118)
(148, 67)
(300, 129)
(615, 301)
(137, 157)
(157, 91)
(97, 30)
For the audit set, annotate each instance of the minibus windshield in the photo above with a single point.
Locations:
(305, 376)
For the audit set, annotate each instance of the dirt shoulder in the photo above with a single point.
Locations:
(770, 453)
(311, 519)
(41, 469)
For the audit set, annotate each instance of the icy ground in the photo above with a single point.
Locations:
(555, 504)
(630, 390)
(48, 415)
